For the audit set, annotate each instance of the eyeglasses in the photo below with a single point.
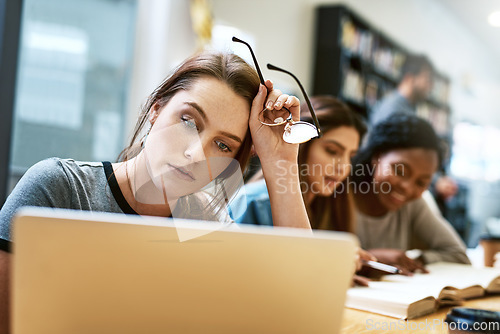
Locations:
(296, 132)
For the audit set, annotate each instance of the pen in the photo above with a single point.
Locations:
(381, 266)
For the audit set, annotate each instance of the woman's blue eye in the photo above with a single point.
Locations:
(223, 147)
(189, 122)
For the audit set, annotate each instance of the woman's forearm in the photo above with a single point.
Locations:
(287, 204)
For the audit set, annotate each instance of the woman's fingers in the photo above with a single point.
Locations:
(258, 102)
(291, 101)
(276, 100)
(280, 101)
(272, 98)
(269, 85)
(360, 280)
(363, 256)
(366, 256)
(420, 266)
(404, 270)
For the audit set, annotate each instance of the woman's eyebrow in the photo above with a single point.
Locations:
(204, 116)
(199, 109)
(332, 141)
(230, 135)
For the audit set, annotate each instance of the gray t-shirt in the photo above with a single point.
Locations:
(88, 186)
(66, 184)
(391, 104)
(413, 226)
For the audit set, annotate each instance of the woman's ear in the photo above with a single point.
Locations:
(153, 113)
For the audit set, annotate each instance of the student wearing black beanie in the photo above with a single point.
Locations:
(390, 173)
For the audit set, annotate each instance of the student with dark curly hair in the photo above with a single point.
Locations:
(390, 173)
(414, 87)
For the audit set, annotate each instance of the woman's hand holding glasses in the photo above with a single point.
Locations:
(277, 114)
(272, 116)
(268, 141)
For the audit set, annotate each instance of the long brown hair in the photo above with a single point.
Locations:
(335, 212)
(227, 68)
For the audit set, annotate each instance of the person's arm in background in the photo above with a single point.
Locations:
(443, 188)
(446, 187)
(443, 241)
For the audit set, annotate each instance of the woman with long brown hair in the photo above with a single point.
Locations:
(324, 163)
(195, 131)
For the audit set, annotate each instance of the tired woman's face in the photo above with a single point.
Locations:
(403, 175)
(329, 159)
(195, 136)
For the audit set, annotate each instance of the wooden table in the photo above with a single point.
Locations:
(359, 322)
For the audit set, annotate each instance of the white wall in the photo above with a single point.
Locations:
(164, 38)
(284, 34)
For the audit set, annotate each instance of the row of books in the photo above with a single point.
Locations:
(437, 116)
(440, 90)
(383, 58)
(364, 90)
(368, 46)
(368, 89)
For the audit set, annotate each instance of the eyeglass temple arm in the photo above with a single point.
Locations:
(236, 39)
(311, 109)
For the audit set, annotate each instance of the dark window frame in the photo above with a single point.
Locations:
(10, 27)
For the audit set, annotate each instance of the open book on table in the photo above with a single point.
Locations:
(408, 297)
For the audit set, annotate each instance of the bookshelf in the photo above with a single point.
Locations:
(359, 64)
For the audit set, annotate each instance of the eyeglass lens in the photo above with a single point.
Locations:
(299, 132)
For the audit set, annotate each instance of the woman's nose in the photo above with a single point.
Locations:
(195, 152)
(407, 186)
(343, 166)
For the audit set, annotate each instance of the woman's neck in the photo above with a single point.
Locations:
(139, 190)
(369, 204)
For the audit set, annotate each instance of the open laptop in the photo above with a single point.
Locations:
(78, 272)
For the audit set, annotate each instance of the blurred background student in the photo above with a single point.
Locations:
(324, 164)
(390, 173)
(414, 87)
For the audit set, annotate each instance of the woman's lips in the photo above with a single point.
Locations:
(182, 173)
(330, 181)
(397, 198)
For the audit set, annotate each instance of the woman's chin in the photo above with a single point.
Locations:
(326, 192)
(393, 205)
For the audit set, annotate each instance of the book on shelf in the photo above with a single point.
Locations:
(409, 297)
